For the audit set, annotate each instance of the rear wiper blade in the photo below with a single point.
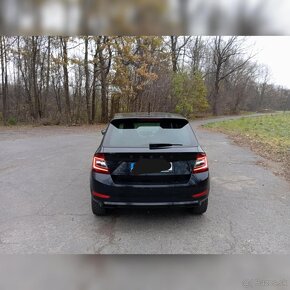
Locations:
(161, 145)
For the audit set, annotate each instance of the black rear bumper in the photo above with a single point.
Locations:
(112, 204)
(146, 195)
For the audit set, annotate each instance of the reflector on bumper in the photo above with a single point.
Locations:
(197, 195)
(100, 195)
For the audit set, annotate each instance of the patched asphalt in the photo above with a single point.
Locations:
(45, 202)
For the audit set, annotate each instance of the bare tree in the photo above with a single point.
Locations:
(47, 86)
(4, 76)
(33, 71)
(197, 50)
(103, 43)
(94, 84)
(240, 82)
(265, 76)
(228, 57)
(176, 48)
(87, 79)
(64, 41)
(87, 84)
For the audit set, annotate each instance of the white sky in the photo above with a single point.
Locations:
(274, 51)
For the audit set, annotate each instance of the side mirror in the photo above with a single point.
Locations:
(103, 131)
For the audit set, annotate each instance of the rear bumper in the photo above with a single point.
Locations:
(152, 204)
(146, 195)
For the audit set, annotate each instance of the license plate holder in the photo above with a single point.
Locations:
(168, 170)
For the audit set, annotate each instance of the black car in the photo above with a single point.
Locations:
(149, 160)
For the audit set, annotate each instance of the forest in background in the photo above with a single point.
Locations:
(77, 80)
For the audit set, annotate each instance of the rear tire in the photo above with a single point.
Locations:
(97, 209)
(201, 209)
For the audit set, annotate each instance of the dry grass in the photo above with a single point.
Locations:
(267, 135)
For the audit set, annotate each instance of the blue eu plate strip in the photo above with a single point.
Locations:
(132, 164)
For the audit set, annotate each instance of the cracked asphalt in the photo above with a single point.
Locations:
(45, 202)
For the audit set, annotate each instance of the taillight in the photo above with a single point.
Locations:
(200, 164)
(99, 164)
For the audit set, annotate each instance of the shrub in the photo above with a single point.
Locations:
(190, 93)
(46, 122)
(11, 121)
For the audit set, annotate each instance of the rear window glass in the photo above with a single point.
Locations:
(141, 133)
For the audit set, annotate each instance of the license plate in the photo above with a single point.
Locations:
(132, 165)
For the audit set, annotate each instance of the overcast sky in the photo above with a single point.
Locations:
(274, 51)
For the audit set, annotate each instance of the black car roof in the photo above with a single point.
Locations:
(147, 115)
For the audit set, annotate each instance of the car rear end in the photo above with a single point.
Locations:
(149, 162)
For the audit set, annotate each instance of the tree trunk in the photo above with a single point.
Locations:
(37, 105)
(4, 77)
(215, 98)
(216, 89)
(47, 86)
(87, 88)
(104, 98)
(262, 96)
(174, 53)
(94, 87)
(66, 80)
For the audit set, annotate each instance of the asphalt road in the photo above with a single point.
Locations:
(45, 202)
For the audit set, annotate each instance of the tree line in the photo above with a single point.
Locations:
(77, 80)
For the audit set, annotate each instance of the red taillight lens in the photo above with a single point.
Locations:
(97, 194)
(200, 164)
(197, 195)
(99, 164)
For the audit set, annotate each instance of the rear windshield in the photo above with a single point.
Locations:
(142, 132)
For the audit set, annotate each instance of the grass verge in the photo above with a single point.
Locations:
(267, 135)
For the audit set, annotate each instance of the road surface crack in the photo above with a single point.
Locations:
(109, 230)
(232, 239)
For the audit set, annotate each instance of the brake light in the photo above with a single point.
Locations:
(200, 164)
(99, 164)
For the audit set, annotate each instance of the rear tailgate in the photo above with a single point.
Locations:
(165, 166)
